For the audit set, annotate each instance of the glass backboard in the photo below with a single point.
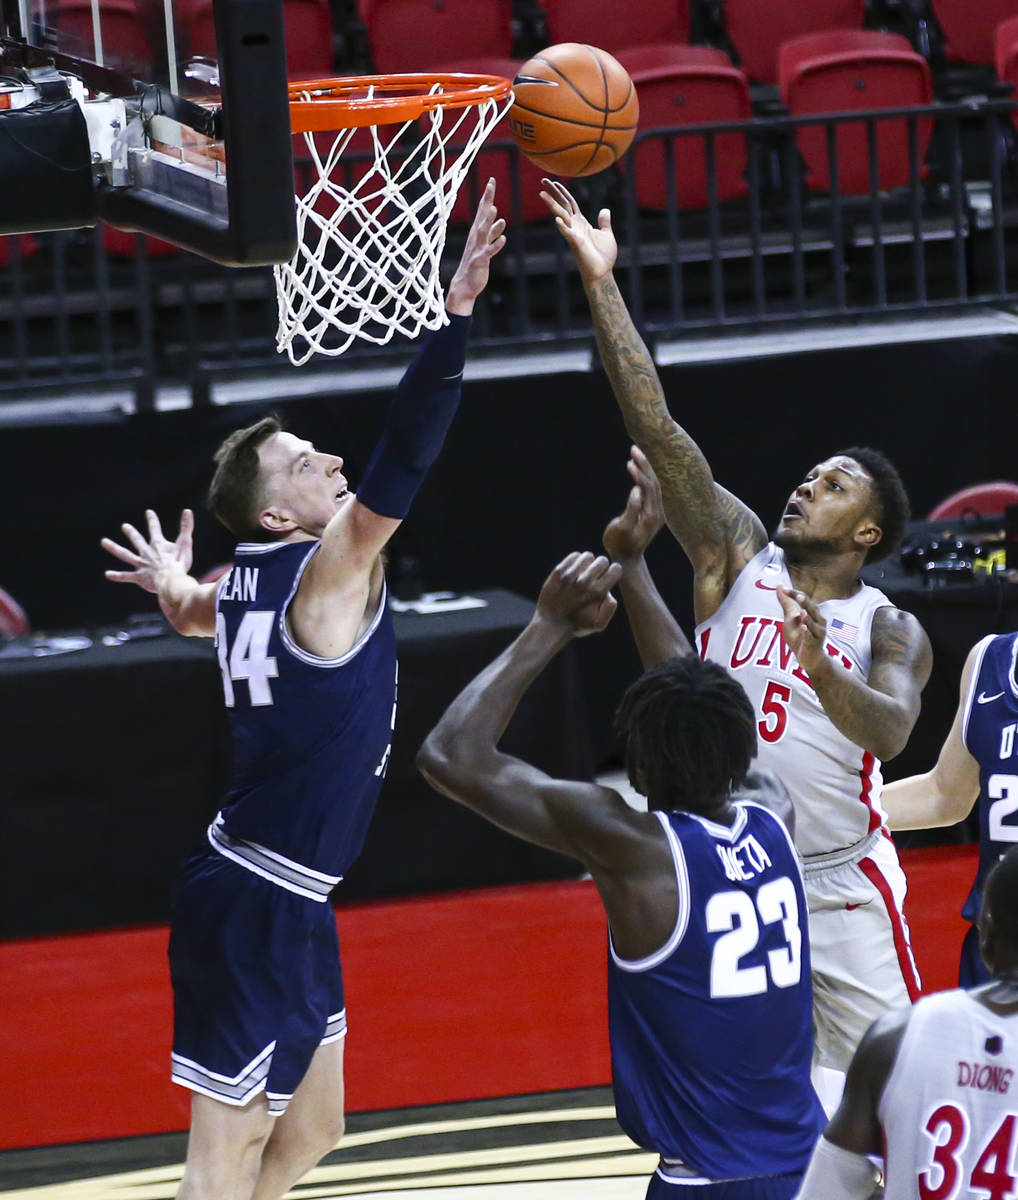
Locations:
(185, 108)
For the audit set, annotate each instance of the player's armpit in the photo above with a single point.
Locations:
(351, 543)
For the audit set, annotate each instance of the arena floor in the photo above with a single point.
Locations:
(557, 1146)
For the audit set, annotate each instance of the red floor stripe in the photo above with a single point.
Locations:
(486, 993)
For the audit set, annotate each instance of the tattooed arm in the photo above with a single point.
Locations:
(718, 532)
(878, 713)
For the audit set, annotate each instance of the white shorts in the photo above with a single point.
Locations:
(860, 947)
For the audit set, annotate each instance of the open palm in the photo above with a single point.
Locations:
(595, 250)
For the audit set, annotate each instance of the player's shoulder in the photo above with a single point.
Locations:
(764, 792)
(898, 636)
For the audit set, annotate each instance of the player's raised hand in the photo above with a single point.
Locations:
(156, 558)
(627, 536)
(578, 593)
(485, 239)
(595, 250)
(804, 628)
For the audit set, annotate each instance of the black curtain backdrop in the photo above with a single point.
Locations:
(534, 467)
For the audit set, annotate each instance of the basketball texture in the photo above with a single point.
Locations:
(575, 110)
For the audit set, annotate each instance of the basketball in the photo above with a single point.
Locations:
(575, 111)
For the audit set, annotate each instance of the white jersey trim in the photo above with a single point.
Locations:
(977, 667)
(335, 1028)
(305, 656)
(249, 855)
(236, 1090)
(259, 547)
(681, 917)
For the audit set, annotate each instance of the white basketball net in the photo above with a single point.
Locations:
(367, 261)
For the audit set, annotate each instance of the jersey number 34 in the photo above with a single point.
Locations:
(248, 658)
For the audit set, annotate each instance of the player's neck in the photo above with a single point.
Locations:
(835, 578)
(1001, 993)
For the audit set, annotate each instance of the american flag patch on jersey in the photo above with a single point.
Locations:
(843, 630)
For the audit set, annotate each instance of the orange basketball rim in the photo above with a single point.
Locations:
(357, 101)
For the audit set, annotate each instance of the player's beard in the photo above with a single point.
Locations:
(804, 548)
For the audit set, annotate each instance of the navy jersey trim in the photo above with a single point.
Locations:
(681, 917)
(305, 656)
(276, 868)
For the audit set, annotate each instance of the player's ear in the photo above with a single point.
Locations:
(276, 521)
(868, 534)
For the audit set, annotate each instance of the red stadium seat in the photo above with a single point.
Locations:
(13, 621)
(758, 27)
(615, 27)
(308, 31)
(418, 35)
(511, 171)
(984, 499)
(687, 85)
(121, 244)
(969, 26)
(125, 39)
(839, 72)
(27, 244)
(1006, 52)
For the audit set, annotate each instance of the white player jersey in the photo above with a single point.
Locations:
(834, 784)
(949, 1109)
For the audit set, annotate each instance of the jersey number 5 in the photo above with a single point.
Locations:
(775, 711)
(248, 658)
(734, 915)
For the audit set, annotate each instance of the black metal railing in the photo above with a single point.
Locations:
(722, 227)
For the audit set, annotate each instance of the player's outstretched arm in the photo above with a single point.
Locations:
(460, 757)
(163, 568)
(840, 1168)
(626, 537)
(717, 531)
(422, 410)
(878, 713)
(946, 794)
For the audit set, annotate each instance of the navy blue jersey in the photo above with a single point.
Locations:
(712, 1036)
(989, 725)
(311, 736)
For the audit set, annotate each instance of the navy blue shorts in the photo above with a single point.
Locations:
(761, 1187)
(257, 983)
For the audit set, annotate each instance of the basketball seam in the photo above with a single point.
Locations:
(566, 79)
(604, 113)
(540, 112)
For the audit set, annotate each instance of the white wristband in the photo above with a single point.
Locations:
(837, 1174)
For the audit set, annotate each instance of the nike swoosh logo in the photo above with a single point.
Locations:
(982, 698)
(764, 587)
(859, 905)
